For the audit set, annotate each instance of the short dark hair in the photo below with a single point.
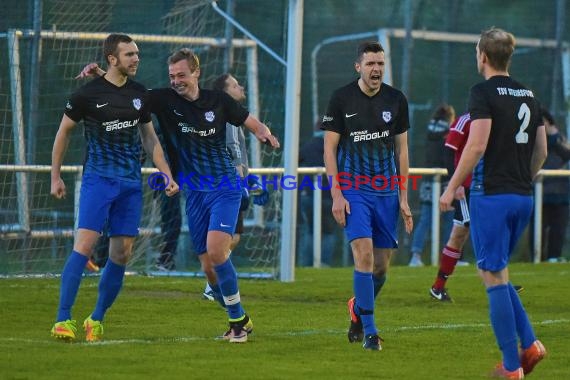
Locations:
(368, 47)
(188, 55)
(111, 44)
(498, 45)
(444, 112)
(546, 115)
(220, 82)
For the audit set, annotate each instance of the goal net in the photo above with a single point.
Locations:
(37, 231)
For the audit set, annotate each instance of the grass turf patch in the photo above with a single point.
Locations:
(162, 328)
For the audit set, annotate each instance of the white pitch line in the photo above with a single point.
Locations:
(513, 275)
(446, 326)
(187, 339)
(469, 325)
(175, 339)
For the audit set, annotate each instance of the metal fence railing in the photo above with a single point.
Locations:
(16, 230)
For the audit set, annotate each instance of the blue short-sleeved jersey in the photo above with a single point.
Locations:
(111, 116)
(195, 137)
(368, 126)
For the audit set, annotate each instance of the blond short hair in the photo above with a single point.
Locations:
(498, 45)
(188, 55)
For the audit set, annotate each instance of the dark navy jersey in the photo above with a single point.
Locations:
(194, 133)
(515, 114)
(111, 116)
(367, 127)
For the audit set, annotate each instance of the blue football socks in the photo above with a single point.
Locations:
(503, 322)
(227, 281)
(378, 283)
(70, 281)
(364, 293)
(523, 326)
(109, 287)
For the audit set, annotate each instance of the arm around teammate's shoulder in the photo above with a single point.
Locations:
(91, 70)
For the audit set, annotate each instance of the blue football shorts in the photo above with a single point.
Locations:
(497, 222)
(111, 200)
(211, 211)
(373, 216)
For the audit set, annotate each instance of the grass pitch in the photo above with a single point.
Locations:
(161, 328)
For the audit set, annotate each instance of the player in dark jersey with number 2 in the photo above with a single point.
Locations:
(505, 150)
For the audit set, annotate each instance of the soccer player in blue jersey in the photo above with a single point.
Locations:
(505, 149)
(365, 149)
(194, 121)
(116, 115)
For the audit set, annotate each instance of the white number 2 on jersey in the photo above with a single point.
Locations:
(524, 115)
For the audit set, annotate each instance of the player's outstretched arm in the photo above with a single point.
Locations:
(539, 151)
(91, 70)
(153, 149)
(261, 131)
(60, 145)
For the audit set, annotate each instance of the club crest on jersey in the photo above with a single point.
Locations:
(137, 103)
(210, 116)
(387, 116)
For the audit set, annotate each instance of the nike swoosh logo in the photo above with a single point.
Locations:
(351, 115)
(438, 296)
(101, 105)
(224, 225)
(179, 114)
